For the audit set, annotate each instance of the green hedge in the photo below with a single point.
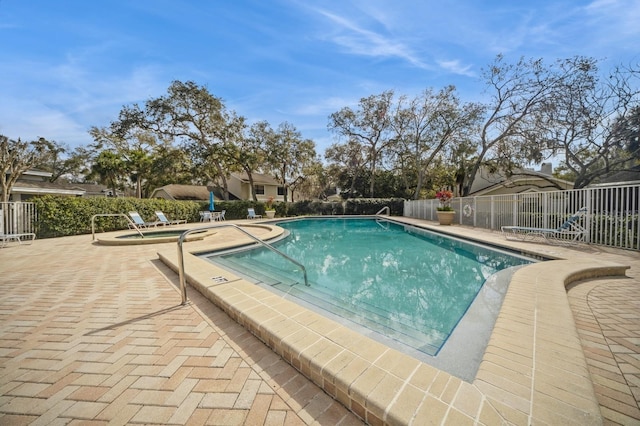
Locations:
(62, 216)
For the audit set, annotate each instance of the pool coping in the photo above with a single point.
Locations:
(115, 238)
(533, 369)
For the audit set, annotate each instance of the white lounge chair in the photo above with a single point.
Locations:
(5, 238)
(139, 222)
(251, 214)
(164, 221)
(569, 232)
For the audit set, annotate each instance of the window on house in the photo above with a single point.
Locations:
(280, 190)
(259, 189)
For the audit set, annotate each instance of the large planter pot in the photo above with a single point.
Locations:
(270, 214)
(445, 217)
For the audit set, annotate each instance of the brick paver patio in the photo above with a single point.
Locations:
(607, 315)
(95, 334)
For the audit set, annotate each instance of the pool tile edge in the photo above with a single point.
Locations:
(362, 385)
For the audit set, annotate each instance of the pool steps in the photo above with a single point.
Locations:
(367, 315)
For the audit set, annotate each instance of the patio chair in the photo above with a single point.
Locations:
(5, 238)
(251, 214)
(139, 222)
(221, 215)
(570, 228)
(164, 221)
(206, 216)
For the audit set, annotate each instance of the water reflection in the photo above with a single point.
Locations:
(407, 283)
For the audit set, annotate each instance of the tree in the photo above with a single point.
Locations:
(60, 161)
(626, 130)
(347, 157)
(16, 157)
(428, 124)
(109, 169)
(287, 154)
(134, 148)
(169, 165)
(313, 183)
(508, 136)
(592, 122)
(194, 116)
(250, 150)
(369, 125)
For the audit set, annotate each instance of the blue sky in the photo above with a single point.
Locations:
(68, 65)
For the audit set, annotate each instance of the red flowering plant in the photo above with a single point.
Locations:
(444, 197)
(270, 204)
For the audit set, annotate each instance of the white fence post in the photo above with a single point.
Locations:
(613, 218)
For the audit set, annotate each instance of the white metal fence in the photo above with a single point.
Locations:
(17, 218)
(612, 218)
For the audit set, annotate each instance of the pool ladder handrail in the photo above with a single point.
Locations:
(383, 209)
(181, 273)
(131, 223)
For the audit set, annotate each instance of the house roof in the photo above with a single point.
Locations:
(91, 188)
(520, 181)
(258, 178)
(625, 177)
(42, 188)
(183, 192)
(36, 172)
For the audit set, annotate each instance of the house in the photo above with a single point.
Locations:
(265, 186)
(181, 192)
(33, 183)
(520, 181)
(95, 190)
(237, 184)
(625, 177)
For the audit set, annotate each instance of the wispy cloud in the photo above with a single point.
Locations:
(456, 67)
(362, 41)
(285, 60)
(614, 22)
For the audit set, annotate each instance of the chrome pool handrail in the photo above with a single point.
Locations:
(131, 224)
(181, 273)
(383, 209)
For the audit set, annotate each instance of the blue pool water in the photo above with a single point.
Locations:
(406, 283)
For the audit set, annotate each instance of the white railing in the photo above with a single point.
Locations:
(613, 218)
(17, 217)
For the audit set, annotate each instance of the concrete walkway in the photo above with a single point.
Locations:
(96, 334)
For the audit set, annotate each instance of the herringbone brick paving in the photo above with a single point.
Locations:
(607, 316)
(94, 334)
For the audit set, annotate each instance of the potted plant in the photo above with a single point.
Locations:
(270, 211)
(445, 212)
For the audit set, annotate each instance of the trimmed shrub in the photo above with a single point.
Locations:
(62, 216)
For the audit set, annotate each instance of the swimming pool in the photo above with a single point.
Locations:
(406, 283)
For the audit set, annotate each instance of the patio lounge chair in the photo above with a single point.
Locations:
(164, 221)
(570, 231)
(251, 214)
(137, 219)
(5, 238)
